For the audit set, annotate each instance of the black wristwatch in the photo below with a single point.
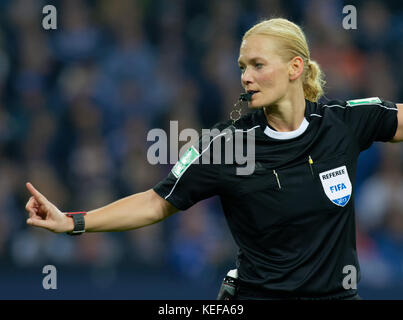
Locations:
(79, 222)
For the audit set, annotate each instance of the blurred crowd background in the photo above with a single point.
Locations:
(76, 105)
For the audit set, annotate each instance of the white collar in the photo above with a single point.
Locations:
(289, 134)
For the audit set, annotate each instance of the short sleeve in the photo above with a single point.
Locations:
(195, 177)
(371, 120)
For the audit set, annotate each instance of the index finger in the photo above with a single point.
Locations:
(38, 196)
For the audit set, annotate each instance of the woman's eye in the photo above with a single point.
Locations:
(242, 69)
(258, 65)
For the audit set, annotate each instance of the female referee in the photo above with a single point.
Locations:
(293, 217)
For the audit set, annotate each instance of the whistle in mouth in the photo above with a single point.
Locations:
(246, 96)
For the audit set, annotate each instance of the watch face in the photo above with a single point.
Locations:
(79, 223)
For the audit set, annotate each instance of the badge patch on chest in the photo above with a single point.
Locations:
(337, 185)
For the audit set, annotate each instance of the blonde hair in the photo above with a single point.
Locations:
(293, 43)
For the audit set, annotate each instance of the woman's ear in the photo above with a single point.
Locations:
(296, 67)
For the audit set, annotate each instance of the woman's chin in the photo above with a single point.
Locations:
(254, 105)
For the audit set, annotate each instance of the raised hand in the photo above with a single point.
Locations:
(44, 214)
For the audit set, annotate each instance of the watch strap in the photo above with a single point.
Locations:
(79, 222)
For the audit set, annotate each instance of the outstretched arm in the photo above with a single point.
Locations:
(132, 212)
(399, 133)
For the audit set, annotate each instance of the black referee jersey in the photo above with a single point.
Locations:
(293, 218)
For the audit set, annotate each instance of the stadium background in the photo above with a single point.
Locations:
(76, 104)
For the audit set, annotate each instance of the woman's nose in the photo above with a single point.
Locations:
(246, 77)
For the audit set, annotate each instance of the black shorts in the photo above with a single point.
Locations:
(253, 295)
